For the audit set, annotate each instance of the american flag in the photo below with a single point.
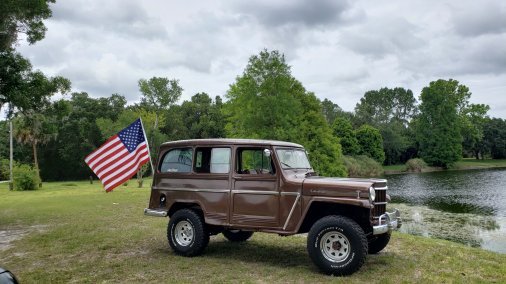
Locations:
(119, 158)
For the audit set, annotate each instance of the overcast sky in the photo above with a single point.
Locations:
(337, 49)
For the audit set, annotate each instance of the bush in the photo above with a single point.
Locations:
(362, 166)
(4, 169)
(25, 178)
(415, 165)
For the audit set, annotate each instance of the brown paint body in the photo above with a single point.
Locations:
(277, 203)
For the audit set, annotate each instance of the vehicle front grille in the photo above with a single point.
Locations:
(380, 203)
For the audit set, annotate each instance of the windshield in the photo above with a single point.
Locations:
(293, 159)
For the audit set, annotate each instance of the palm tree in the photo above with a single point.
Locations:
(34, 129)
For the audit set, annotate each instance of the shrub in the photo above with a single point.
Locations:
(25, 178)
(4, 169)
(415, 165)
(362, 166)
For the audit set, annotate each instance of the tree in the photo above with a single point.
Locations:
(344, 131)
(396, 143)
(370, 143)
(201, 117)
(386, 105)
(24, 89)
(438, 125)
(473, 118)
(78, 135)
(494, 140)
(22, 16)
(267, 102)
(34, 129)
(158, 94)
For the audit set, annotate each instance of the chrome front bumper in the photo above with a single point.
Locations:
(388, 222)
(156, 213)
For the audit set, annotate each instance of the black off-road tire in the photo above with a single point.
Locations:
(187, 220)
(378, 243)
(346, 249)
(237, 235)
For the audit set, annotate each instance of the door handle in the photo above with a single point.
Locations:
(236, 178)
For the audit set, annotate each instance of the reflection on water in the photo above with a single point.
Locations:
(463, 206)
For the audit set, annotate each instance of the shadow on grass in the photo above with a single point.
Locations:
(260, 252)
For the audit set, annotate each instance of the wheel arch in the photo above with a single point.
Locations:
(320, 209)
(178, 205)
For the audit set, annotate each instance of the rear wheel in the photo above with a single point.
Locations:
(186, 233)
(337, 245)
(378, 243)
(237, 235)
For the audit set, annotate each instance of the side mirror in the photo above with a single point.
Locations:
(6, 277)
(267, 152)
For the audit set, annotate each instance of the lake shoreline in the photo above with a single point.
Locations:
(463, 165)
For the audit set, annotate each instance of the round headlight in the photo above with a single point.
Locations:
(372, 193)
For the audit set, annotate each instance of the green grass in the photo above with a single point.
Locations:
(477, 164)
(75, 232)
(395, 168)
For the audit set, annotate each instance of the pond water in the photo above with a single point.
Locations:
(468, 207)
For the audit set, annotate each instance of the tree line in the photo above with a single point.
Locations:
(388, 126)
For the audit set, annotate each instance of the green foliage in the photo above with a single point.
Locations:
(22, 16)
(198, 118)
(25, 177)
(159, 93)
(78, 135)
(24, 89)
(4, 169)
(370, 142)
(438, 125)
(415, 165)
(344, 131)
(386, 105)
(396, 142)
(472, 120)
(494, 140)
(362, 166)
(267, 102)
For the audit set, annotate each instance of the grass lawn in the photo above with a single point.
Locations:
(75, 232)
(476, 164)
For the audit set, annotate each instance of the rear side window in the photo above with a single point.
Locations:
(212, 160)
(177, 161)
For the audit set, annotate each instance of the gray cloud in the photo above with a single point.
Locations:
(308, 13)
(480, 18)
(337, 49)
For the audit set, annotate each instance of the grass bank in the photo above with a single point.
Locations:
(75, 232)
(464, 164)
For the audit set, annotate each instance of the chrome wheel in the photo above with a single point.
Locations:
(183, 233)
(335, 246)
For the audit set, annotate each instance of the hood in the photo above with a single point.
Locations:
(340, 187)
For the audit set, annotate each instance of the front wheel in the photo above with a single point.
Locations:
(187, 233)
(237, 235)
(378, 243)
(337, 245)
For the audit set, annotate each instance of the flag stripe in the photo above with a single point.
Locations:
(112, 159)
(126, 176)
(100, 149)
(117, 160)
(110, 149)
(123, 165)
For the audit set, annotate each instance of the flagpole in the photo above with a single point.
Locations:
(147, 144)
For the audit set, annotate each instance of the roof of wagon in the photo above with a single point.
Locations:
(228, 141)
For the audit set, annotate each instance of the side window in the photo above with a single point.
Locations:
(212, 160)
(253, 161)
(177, 161)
